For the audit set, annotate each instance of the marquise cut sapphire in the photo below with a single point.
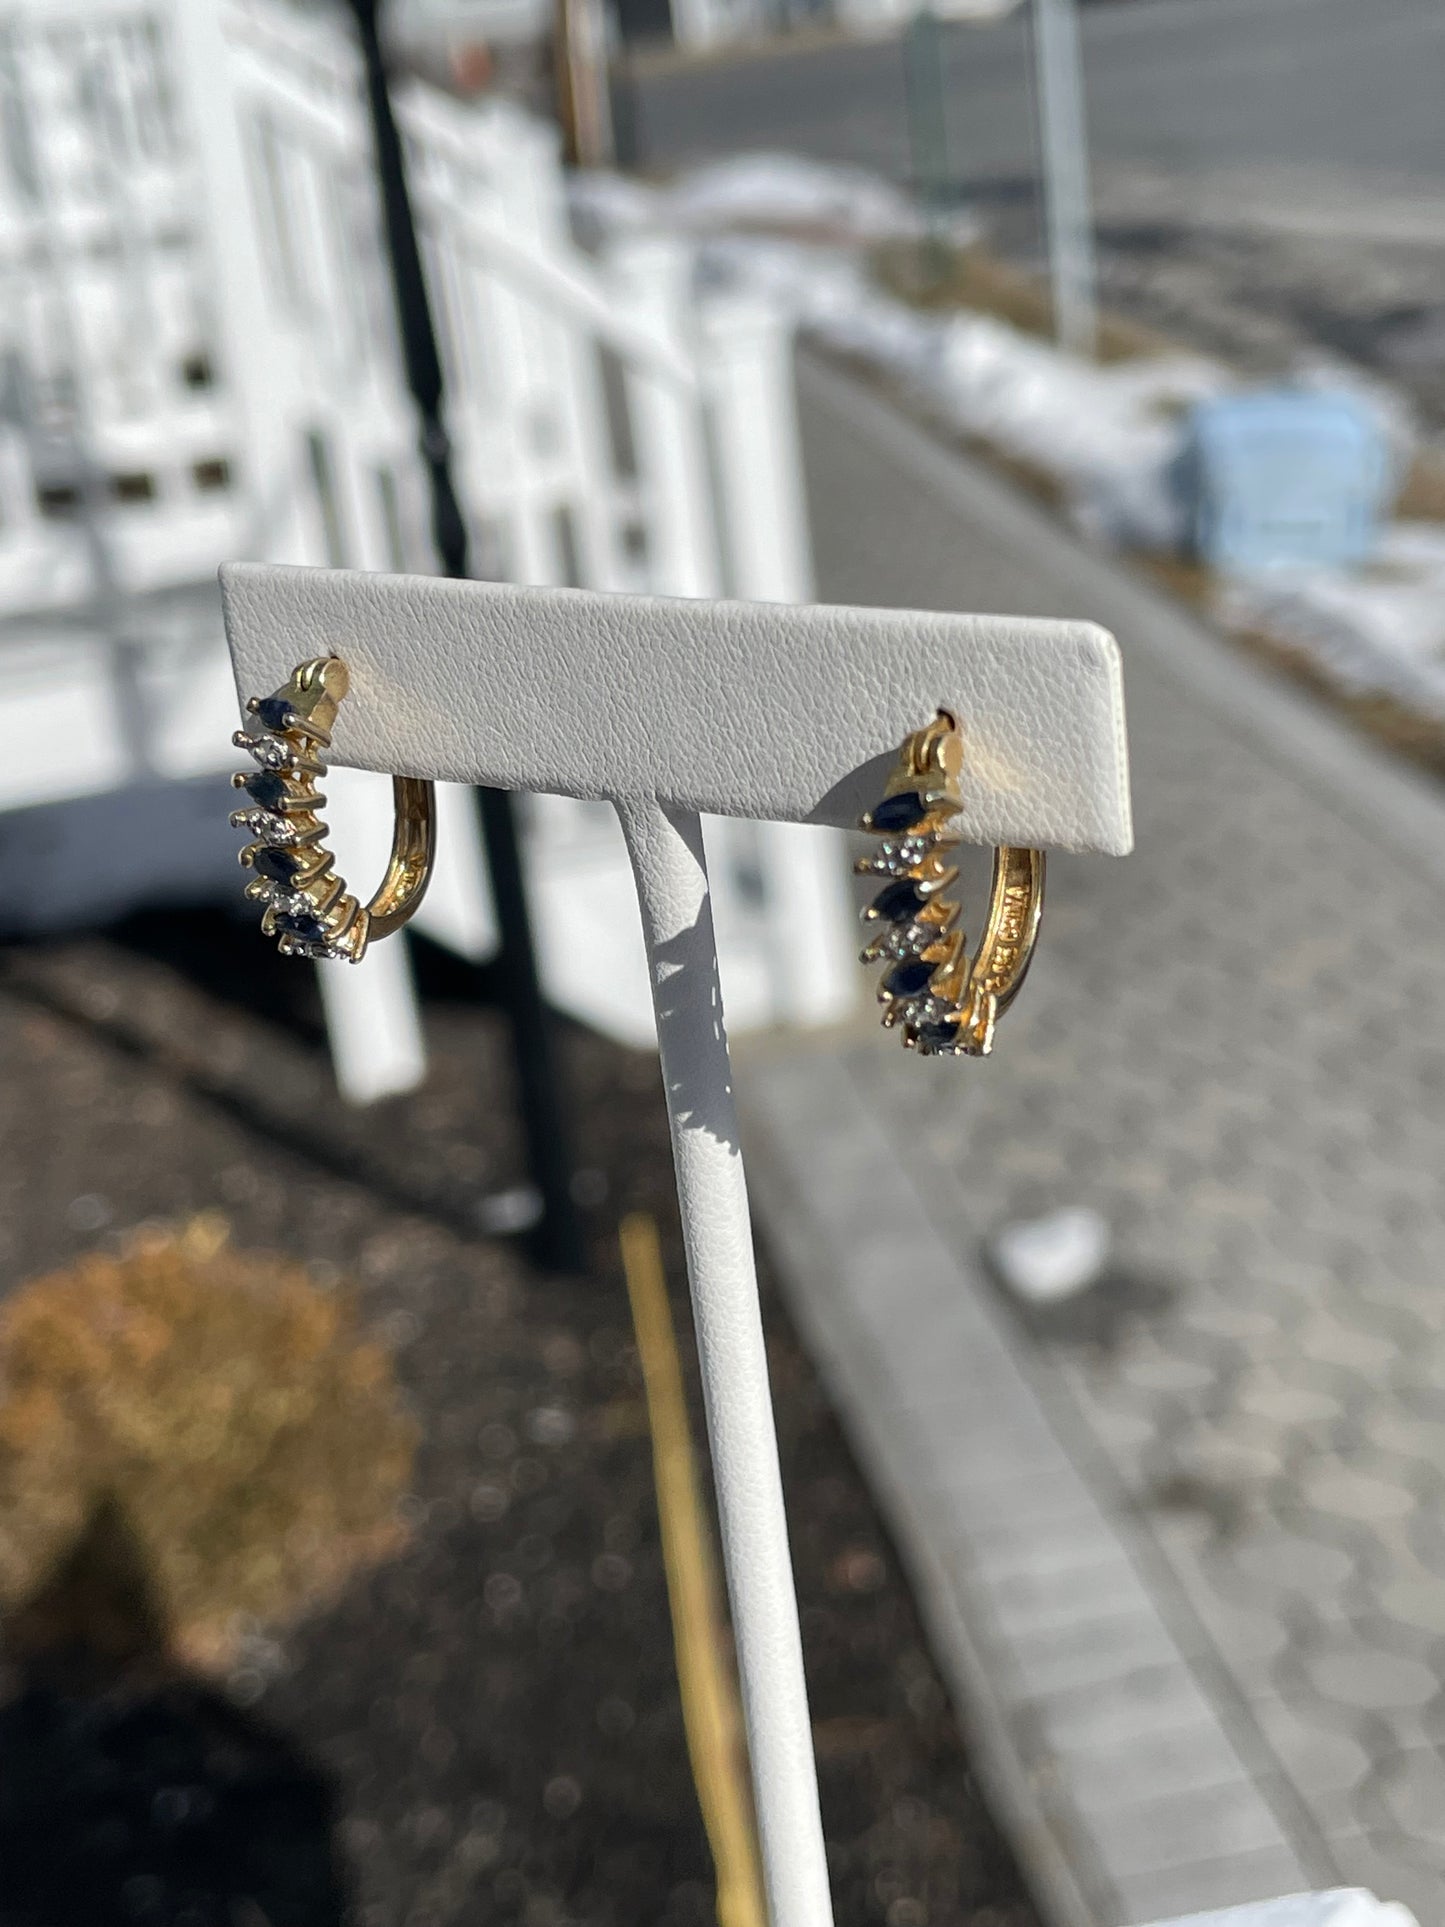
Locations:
(280, 865)
(907, 979)
(274, 712)
(267, 789)
(898, 902)
(903, 812)
(300, 923)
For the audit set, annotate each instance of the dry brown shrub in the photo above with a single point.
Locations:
(227, 1407)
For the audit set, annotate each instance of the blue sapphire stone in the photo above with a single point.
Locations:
(300, 923)
(938, 1036)
(280, 865)
(907, 979)
(903, 812)
(898, 902)
(275, 713)
(267, 789)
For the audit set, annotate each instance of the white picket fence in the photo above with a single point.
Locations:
(614, 427)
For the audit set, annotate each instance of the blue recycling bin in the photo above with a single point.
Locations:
(1286, 476)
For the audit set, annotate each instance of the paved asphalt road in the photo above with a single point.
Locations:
(1178, 86)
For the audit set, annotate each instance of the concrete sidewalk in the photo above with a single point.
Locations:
(1183, 1546)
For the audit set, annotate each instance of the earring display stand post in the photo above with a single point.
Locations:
(557, 1240)
(666, 708)
(672, 887)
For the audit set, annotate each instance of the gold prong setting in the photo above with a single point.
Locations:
(945, 1003)
(271, 829)
(304, 904)
(271, 752)
(918, 936)
(895, 941)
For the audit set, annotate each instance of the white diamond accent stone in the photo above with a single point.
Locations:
(900, 941)
(278, 897)
(269, 751)
(274, 829)
(316, 952)
(908, 939)
(926, 1010)
(895, 857)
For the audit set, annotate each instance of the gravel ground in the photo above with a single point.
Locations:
(495, 1711)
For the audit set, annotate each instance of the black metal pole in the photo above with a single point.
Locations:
(557, 1239)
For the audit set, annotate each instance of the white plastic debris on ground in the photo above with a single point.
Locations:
(1106, 436)
(1046, 1260)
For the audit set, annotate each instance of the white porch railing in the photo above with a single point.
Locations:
(614, 428)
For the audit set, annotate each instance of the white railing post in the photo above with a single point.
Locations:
(811, 930)
(653, 277)
(746, 349)
(373, 1024)
(457, 910)
(372, 1017)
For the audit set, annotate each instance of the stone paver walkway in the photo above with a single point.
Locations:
(1185, 1542)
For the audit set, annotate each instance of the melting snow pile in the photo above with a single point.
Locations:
(1376, 630)
(1107, 437)
(768, 192)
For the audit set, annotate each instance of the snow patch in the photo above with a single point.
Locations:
(1380, 629)
(1107, 437)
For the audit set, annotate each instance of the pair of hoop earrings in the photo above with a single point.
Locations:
(946, 1003)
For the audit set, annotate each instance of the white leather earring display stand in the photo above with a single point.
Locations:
(667, 708)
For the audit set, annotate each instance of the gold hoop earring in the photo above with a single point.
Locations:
(308, 908)
(946, 1002)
